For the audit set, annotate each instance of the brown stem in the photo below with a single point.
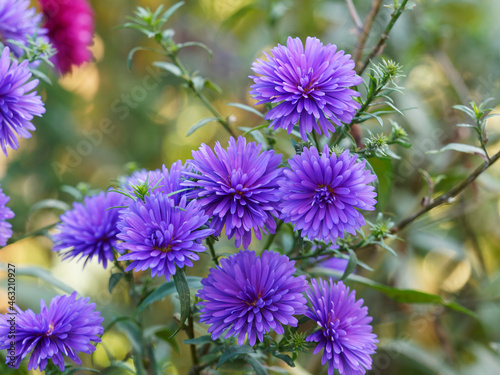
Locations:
(360, 42)
(447, 197)
(354, 14)
(378, 47)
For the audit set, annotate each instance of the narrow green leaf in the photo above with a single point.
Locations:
(181, 284)
(41, 274)
(247, 108)
(166, 335)
(257, 366)
(73, 191)
(200, 124)
(206, 339)
(42, 76)
(113, 280)
(213, 86)
(351, 264)
(49, 203)
(399, 295)
(164, 290)
(111, 369)
(285, 358)
(461, 148)
(72, 370)
(139, 48)
(168, 13)
(169, 67)
(232, 352)
(383, 245)
(468, 111)
(196, 44)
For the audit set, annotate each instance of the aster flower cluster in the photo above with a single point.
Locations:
(163, 218)
(67, 327)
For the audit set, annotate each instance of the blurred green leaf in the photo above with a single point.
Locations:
(113, 280)
(200, 124)
(257, 365)
(246, 108)
(164, 290)
(351, 264)
(169, 67)
(196, 44)
(182, 286)
(42, 274)
(49, 203)
(461, 148)
(234, 351)
(399, 295)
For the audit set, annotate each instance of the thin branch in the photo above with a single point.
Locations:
(354, 14)
(195, 370)
(447, 197)
(378, 47)
(360, 42)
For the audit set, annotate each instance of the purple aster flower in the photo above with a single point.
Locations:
(162, 235)
(18, 22)
(5, 214)
(310, 85)
(17, 104)
(67, 326)
(90, 229)
(344, 333)
(320, 194)
(252, 295)
(237, 188)
(164, 181)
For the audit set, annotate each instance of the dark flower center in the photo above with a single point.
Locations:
(164, 249)
(324, 194)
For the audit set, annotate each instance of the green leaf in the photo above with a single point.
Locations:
(169, 67)
(200, 124)
(247, 108)
(232, 352)
(113, 280)
(72, 370)
(181, 284)
(164, 290)
(206, 339)
(399, 295)
(49, 203)
(139, 48)
(168, 13)
(351, 264)
(461, 148)
(213, 86)
(41, 274)
(285, 358)
(165, 334)
(198, 83)
(196, 44)
(42, 76)
(383, 245)
(112, 369)
(257, 366)
(73, 191)
(468, 111)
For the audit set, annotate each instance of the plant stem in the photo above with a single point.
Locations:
(446, 197)
(271, 238)
(210, 245)
(220, 119)
(385, 35)
(195, 369)
(361, 40)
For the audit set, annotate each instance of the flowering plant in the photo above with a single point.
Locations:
(261, 241)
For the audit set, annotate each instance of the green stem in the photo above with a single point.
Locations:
(195, 369)
(271, 238)
(383, 38)
(186, 75)
(210, 245)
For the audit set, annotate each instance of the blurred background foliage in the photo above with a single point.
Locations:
(103, 116)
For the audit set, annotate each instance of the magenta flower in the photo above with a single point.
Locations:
(70, 26)
(310, 85)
